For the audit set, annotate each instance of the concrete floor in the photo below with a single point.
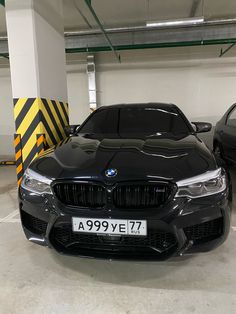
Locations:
(34, 279)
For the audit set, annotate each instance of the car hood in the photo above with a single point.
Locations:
(81, 157)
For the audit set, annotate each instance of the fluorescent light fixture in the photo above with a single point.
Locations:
(180, 22)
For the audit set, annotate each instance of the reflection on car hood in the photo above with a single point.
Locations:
(81, 157)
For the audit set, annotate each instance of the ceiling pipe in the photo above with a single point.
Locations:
(231, 41)
(155, 45)
(88, 2)
(92, 91)
(222, 52)
(81, 14)
(140, 28)
(194, 7)
(145, 28)
(4, 55)
(129, 46)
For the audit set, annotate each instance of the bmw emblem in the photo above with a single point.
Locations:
(110, 173)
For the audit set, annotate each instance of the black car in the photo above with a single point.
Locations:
(224, 143)
(132, 182)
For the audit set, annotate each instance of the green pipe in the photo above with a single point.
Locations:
(88, 2)
(155, 45)
(147, 46)
(2, 2)
(4, 55)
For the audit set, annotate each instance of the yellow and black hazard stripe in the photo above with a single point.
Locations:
(39, 116)
(7, 163)
(41, 143)
(19, 160)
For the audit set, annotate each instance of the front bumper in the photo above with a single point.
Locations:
(182, 226)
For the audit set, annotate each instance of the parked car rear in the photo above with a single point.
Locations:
(224, 143)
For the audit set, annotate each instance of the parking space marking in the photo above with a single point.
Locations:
(13, 220)
(10, 217)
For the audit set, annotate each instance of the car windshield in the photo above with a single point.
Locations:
(126, 122)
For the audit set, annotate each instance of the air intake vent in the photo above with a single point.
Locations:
(205, 231)
(81, 194)
(33, 224)
(157, 243)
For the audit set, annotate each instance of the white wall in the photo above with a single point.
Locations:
(77, 83)
(202, 86)
(6, 115)
(202, 89)
(36, 48)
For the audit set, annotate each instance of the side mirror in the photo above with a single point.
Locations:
(71, 129)
(202, 127)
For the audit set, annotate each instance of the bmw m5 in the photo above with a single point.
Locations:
(134, 181)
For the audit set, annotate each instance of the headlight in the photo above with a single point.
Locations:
(209, 183)
(36, 183)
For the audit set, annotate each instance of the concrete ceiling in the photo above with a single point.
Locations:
(136, 12)
(115, 13)
(120, 13)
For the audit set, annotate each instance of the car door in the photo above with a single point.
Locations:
(228, 135)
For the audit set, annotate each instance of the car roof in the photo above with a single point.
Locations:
(141, 105)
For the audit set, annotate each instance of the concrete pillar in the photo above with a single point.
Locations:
(38, 73)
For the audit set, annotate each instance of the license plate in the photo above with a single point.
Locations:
(110, 226)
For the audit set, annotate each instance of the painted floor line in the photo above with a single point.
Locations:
(17, 220)
(10, 216)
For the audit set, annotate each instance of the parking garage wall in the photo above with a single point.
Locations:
(203, 89)
(7, 125)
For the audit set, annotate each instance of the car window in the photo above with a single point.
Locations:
(231, 120)
(124, 122)
(150, 121)
(102, 122)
